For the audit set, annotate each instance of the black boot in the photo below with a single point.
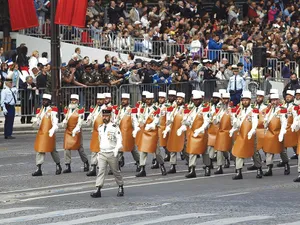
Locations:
(238, 176)
(280, 164)
(163, 170)
(269, 173)
(122, 161)
(182, 156)
(58, 169)
(294, 156)
(211, 165)
(297, 179)
(227, 163)
(207, 171)
(38, 172)
(155, 165)
(259, 174)
(86, 166)
(219, 170)
(287, 169)
(192, 173)
(253, 167)
(137, 167)
(120, 191)
(142, 172)
(167, 157)
(92, 172)
(172, 169)
(68, 169)
(97, 194)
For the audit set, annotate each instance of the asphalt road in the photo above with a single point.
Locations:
(65, 199)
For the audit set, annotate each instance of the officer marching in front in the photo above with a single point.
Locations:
(73, 134)
(275, 124)
(47, 121)
(245, 122)
(110, 139)
(95, 118)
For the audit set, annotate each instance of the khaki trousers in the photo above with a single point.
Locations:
(104, 159)
(159, 157)
(298, 163)
(40, 157)
(68, 155)
(205, 158)
(239, 162)
(284, 157)
(94, 161)
(135, 154)
(211, 151)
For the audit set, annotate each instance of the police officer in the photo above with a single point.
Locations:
(236, 85)
(110, 144)
(8, 102)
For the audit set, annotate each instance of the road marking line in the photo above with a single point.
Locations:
(171, 218)
(101, 217)
(45, 215)
(233, 220)
(12, 210)
(136, 185)
(292, 223)
(233, 194)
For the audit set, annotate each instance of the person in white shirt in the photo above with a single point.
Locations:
(33, 61)
(110, 144)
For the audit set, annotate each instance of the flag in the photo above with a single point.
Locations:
(22, 14)
(79, 13)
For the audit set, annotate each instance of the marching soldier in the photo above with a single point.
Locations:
(260, 131)
(297, 103)
(175, 143)
(110, 143)
(295, 127)
(107, 100)
(126, 124)
(95, 118)
(245, 122)
(162, 126)
(73, 134)
(146, 134)
(275, 124)
(223, 142)
(198, 121)
(46, 120)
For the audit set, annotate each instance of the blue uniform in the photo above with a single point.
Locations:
(8, 102)
(236, 85)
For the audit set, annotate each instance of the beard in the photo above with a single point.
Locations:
(73, 106)
(297, 102)
(106, 121)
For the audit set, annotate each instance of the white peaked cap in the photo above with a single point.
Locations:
(149, 95)
(197, 95)
(222, 91)
(162, 94)
(47, 96)
(100, 96)
(107, 95)
(298, 91)
(194, 91)
(74, 96)
(290, 92)
(225, 95)
(216, 95)
(181, 94)
(274, 96)
(145, 93)
(172, 92)
(273, 91)
(246, 94)
(202, 93)
(260, 92)
(125, 95)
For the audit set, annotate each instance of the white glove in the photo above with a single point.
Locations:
(231, 132)
(64, 124)
(75, 131)
(116, 151)
(4, 111)
(150, 127)
(166, 131)
(88, 122)
(51, 132)
(181, 130)
(280, 137)
(250, 134)
(135, 131)
(294, 128)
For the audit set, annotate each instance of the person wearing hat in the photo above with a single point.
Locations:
(73, 135)
(213, 128)
(8, 101)
(125, 121)
(236, 85)
(245, 123)
(107, 100)
(110, 144)
(275, 123)
(47, 121)
(95, 118)
(175, 143)
(147, 142)
(198, 121)
(223, 143)
(290, 138)
(260, 131)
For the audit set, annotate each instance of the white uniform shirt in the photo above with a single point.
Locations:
(276, 112)
(245, 114)
(44, 112)
(110, 137)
